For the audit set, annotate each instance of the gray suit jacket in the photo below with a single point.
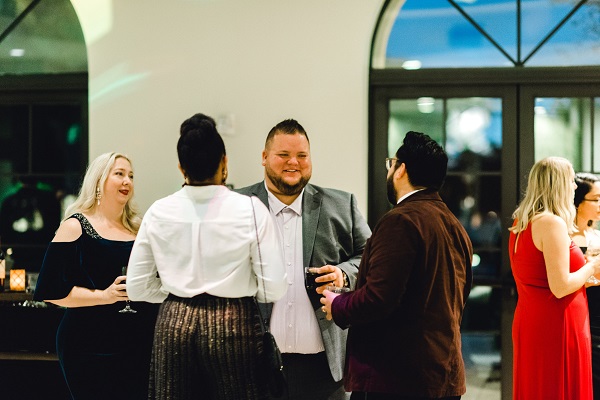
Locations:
(333, 232)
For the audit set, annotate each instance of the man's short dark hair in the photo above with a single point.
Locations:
(286, 127)
(425, 160)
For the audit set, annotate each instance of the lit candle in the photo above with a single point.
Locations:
(17, 280)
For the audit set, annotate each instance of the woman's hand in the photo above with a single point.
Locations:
(116, 291)
(595, 263)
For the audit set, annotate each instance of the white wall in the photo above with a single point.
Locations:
(154, 63)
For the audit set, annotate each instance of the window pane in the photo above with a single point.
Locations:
(476, 203)
(9, 10)
(424, 114)
(14, 140)
(436, 35)
(576, 43)
(49, 40)
(498, 18)
(558, 128)
(596, 130)
(474, 134)
(57, 139)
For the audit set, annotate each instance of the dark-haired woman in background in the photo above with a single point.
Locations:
(202, 242)
(587, 203)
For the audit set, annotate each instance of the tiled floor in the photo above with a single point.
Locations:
(482, 360)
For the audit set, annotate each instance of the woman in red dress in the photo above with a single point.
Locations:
(551, 329)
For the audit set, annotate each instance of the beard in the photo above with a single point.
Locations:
(284, 187)
(392, 194)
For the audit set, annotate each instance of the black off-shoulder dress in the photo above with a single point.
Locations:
(104, 354)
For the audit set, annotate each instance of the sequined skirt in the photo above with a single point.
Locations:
(206, 347)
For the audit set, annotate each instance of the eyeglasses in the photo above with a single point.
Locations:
(389, 162)
(597, 201)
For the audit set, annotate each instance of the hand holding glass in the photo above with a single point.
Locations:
(127, 308)
(590, 253)
(310, 276)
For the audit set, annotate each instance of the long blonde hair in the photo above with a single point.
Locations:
(95, 177)
(549, 190)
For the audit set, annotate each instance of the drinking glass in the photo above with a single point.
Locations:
(310, 275)
(127, 308)
(592, 252)
(337, 289)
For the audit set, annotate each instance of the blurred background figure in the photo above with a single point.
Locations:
(587, 203)
(29, 217)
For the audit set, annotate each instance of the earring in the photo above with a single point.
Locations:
(224, 176)
(98, 195)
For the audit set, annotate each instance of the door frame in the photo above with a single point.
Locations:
(518, 87)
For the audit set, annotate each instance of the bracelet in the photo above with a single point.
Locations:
(346, 284)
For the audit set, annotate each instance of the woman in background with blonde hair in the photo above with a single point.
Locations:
(551, 332)
(103, 353)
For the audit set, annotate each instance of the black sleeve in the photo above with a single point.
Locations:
(60, 271)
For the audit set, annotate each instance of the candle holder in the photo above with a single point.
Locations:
(17, 280)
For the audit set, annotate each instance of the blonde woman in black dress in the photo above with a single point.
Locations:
(104, 354)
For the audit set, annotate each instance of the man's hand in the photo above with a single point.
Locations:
(328, 275)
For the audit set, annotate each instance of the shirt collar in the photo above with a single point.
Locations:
(408, 194)
(202, 192)
(277, 205)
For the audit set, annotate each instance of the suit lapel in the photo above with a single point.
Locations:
(311, 208)
(260, 191)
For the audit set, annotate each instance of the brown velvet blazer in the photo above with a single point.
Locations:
(404, 316)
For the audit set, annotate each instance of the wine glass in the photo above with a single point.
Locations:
(590, 253)
(127, 308)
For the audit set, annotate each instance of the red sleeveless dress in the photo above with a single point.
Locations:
(552, 356)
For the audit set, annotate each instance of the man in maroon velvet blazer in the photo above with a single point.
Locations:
(413, 282)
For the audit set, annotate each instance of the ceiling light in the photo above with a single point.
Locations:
(17, 52)
(426, 105)
(411, 64)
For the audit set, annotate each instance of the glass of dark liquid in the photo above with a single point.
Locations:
(127, 308)
(310, 275)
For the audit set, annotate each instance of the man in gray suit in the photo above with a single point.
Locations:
(320, 229)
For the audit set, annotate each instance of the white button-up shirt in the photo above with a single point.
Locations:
(293, 320)
(203, 240)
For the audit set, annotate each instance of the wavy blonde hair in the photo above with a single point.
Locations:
(95, 177)
(550, 190)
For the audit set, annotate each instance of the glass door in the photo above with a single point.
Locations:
(477, 130)
(561, 120)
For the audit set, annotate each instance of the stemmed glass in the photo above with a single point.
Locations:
(592, 252)
(127, 308)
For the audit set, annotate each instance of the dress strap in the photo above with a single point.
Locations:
(87, 227)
